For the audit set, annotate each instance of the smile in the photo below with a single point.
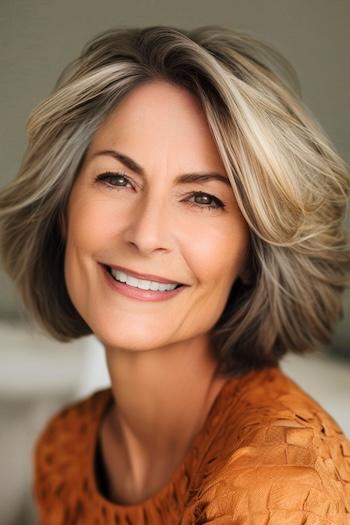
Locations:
(143, 284)
(139, 288)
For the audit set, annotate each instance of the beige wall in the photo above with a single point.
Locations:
(37, 38)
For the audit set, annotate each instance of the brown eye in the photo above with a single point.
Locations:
(114, 179)
(205, 200)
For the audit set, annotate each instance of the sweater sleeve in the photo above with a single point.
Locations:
(42, 457)
(272, 496)
(280, 477)
(56, 463)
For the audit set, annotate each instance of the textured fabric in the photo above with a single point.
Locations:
(267, 454)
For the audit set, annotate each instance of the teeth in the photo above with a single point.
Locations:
(140, 283)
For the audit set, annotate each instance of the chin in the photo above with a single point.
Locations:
(142, 338)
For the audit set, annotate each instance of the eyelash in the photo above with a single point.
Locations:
(108, 174)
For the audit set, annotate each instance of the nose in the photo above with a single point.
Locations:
(148, 226)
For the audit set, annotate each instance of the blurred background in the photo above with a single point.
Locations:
(37, 39)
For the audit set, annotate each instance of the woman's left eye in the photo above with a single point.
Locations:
(207, 197)
(209, 202)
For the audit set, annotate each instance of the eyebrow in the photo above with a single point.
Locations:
(185, 178)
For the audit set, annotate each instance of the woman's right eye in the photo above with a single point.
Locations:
(114, 179)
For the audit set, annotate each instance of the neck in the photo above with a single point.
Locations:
(162, 398)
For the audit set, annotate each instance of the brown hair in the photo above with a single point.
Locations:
(291, 185)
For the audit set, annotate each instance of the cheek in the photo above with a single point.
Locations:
(90, 225)
(218, 253)
(90, 230)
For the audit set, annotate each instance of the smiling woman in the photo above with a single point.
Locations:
(178, 201)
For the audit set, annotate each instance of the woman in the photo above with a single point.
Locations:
(178, 201)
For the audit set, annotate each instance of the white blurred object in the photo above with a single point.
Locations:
(32, 365)
(94, 374)
(326, 378)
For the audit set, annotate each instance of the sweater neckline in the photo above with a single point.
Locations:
(179, 480)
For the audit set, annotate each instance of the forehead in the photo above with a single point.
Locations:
(162, 121)
(157, 100)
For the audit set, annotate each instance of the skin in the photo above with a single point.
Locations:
(163, 376)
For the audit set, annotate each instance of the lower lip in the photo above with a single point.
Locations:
(138, 293)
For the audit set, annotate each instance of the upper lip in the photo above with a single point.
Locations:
(145, 276)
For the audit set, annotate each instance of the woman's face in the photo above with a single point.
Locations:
(147, 221)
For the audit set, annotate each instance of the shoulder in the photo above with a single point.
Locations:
(71, 420)
(280, 458)
(64, 445)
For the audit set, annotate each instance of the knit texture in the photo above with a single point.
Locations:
(268, 454)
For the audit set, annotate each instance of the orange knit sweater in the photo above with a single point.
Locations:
(267, 454)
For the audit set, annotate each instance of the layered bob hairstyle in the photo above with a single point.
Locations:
(290, 184)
